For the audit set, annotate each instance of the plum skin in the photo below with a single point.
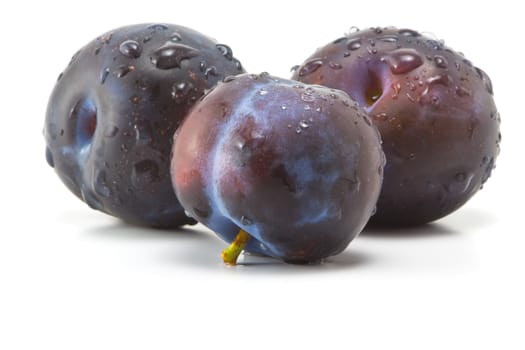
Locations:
(113, 111)
(297, 167)
(435, 112)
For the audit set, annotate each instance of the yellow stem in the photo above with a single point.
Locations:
(230, 254)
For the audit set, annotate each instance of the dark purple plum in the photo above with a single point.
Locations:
(291, 170)
(113, 112)
(435, 112)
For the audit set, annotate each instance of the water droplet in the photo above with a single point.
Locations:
(170, 55)
(130, 48)
(436, 44)
(283, 107)
(353, 29)
(144, 173)
(396, 88)
(308, 95)
(263, 92)
(310, 67)
(441, 62)
(486, 80)
(388, 38)
(378, 30)
(146, 39)
(307, 107)
(338, 40)
(460, 183)
(180, 91)
(303, 124)
(104, 75)
(175, 37)
(157, 27)
(225, 50)
(49, 158)
(100, 185)
(124, 148)
(381, 116)
(143, 134)
(210, 71)
(238, 64)
(318, 109)
(462, 91)
(334, 65)
(467, 62)
(409, 33)
(346, 54)
(246, 221)
(202, 66)
(123, 70)
(440, 79)
(298, 130)
(134, 99)
(402, 61)
(353, 44)
(60, 76)
(110, 131)
(411, 99)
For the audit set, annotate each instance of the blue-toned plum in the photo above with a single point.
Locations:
(277, 167)
(435, 112)
(112, 114)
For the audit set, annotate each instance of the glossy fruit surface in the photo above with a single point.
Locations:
(435, 112)
(112, 114)
(295, 166)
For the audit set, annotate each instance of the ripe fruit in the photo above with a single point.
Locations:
(435, 112)
(113, 112)
(289, 170)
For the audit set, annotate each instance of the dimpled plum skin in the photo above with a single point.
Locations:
(297, 167)
(435, 112)
(113, 112)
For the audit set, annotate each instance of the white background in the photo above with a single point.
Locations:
(73, 278)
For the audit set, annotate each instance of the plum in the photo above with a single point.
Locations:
(277, 167)
(112, 114)
(435, 112)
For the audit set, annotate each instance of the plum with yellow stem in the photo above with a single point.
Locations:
(277, 167)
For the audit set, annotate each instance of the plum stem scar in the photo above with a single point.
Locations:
(230, 254)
